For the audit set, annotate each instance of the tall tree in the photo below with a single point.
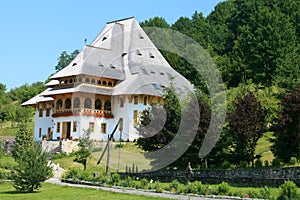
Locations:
(287, 129)
(65, 58)
(247, 125)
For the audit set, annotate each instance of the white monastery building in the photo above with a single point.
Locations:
(117, 76)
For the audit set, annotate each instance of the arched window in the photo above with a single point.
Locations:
(110, 84)
(76, 102)
(99, 82)
(68, 103)
(107, 105)
(59, 104)
(104, 83)
(88, 103)
(98, 104)
(93, 81)
(66, 81)
(71, 81)
(87, 80)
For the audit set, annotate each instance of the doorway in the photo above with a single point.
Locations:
(66, 131)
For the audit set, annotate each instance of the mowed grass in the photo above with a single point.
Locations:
(49, 191)
(128, 155)
(263, 147)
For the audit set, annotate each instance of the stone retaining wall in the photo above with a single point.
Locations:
(272, 177)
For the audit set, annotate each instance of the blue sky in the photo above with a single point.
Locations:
(34, 32)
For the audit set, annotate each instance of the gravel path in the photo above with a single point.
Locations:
(58, 171)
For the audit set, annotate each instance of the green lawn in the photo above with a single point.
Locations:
(49, 191)
(263, 147)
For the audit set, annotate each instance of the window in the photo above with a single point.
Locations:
(135, 117)
(110, 84)
(136, 100)
(145, 100)
(80, 80)
(40, 132)
(49, 133)
(47, 112)
(40, 112)
(88, 103)
(68, 103)
(74, 126)
(58, 127)
(59, 104)
(121, 102)
(87, 80)
(93, 81)
(107, 105)
(103, 82)
(98, 105)
(99, 82)
(138, 53)
(76, 102)
(92, 126)
(103, 128)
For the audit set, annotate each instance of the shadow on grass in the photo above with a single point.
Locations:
(18, 192)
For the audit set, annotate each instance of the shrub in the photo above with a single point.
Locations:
(258, 163)
(276, 162)
(158, 187)
(58, 156)
(173, 186)
(223, 188)
(144, 183)
(265, 193)
(266, 162)
(288, 191)
(115, 179)
(293, 161)
(32, 169)
(243, 164)
(225, 165)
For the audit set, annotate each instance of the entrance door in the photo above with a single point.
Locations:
(66, 131)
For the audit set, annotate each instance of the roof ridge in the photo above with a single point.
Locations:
(120, 20)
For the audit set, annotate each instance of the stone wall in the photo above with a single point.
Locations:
(53, 147)
(271, 177)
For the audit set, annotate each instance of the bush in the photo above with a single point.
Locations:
(293, 161)
(288, 191)
(265, 193)
(266, 162)
(32, 169)
(223, 188)
(243, 164)
(276, 162)
(115, 179)
(144, 183)
(258, 163)
(58, 156)
(173, 186)
(225, 165)
(158, 187)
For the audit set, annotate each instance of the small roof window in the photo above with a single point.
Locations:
(138, 53)
(155, 86)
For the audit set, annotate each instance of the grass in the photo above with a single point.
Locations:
(129, 154)
(49, 191)
(10, 129)
(263, 147)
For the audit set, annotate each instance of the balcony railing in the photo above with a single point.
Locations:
(83, 112)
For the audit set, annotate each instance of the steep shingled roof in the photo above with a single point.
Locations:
(123, 51)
